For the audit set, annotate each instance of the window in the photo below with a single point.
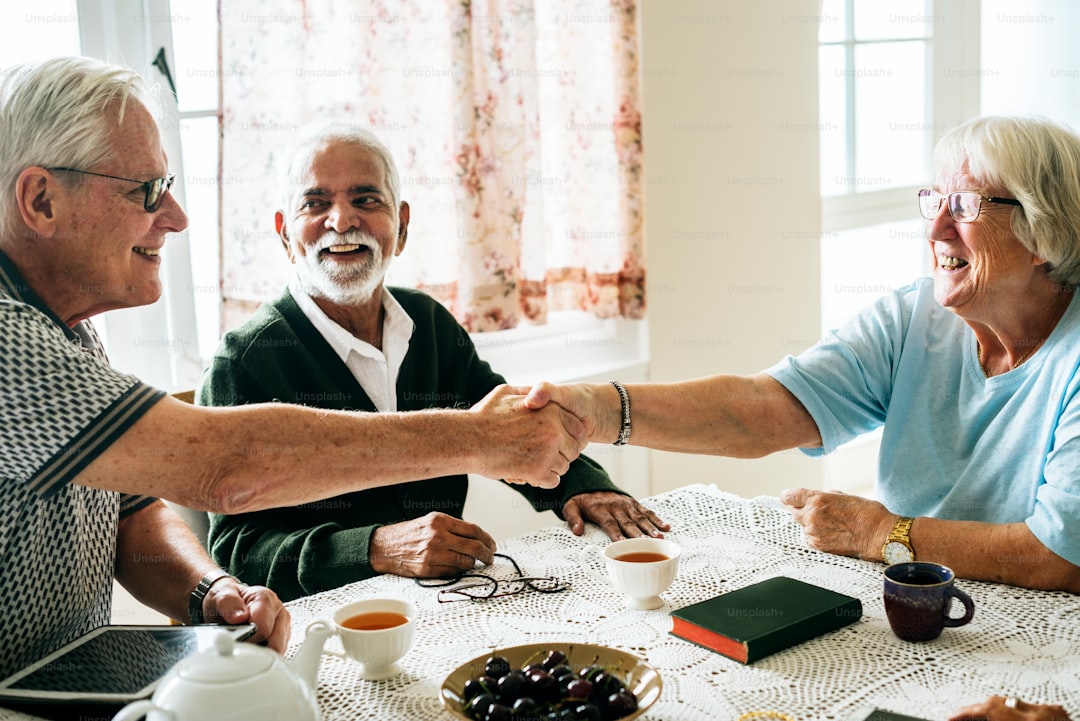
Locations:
(890, 85)
(893, 78)
(195, 46)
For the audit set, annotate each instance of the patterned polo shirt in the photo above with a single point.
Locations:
(61, 406)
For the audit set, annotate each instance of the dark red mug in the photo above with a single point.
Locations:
(918, 596)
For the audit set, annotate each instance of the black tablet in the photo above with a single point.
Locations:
(111, 664)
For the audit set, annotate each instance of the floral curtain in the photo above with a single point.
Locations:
(515, 124)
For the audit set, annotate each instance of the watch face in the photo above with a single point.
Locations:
(896, 552)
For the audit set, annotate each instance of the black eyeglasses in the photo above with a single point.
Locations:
(964, 205)
(481, 586)
(155, 189)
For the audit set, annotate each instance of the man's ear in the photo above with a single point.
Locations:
(37, 194)
(283, 234)
(403, 227)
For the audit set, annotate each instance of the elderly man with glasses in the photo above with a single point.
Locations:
(339, 338)
(86, 451)
(973, 375)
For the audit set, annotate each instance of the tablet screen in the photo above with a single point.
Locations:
(113, 661)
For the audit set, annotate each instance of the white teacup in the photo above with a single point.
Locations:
(640, 568)
(374, 635)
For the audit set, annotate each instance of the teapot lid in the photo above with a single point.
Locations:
(226, 662)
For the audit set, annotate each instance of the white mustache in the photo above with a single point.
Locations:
(352, 237)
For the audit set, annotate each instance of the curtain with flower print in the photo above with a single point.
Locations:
(515, 124)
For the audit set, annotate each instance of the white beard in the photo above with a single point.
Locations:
(351, 284)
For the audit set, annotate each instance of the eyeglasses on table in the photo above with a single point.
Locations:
(477, 586)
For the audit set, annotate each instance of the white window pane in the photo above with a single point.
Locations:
(892, 20)
(832, 98)
(833, 23)
(858, 266)
(892, 134)
(199, 139)
(195, 31)
(31, 32)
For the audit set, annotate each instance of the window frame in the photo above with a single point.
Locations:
(952, 99)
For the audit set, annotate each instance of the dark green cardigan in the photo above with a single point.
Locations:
(279, 356)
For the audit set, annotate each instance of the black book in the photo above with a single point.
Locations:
(757, 620)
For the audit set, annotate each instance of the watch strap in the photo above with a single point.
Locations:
(901, 532)
(195, 601)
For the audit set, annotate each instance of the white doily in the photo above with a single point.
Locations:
(1022, 643)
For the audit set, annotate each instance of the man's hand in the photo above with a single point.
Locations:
(229, 602)
(618, 515)
(597, 405)
(994, 709)
(839, 523)
(432, 546)
(534, 446)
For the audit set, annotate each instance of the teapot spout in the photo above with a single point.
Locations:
(305, 663)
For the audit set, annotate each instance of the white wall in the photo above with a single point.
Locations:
(1031, 59)
(732, 206)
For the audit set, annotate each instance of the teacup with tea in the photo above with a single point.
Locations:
(376, 633)
(640, 568)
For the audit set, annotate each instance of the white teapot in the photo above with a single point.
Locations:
(238, 682)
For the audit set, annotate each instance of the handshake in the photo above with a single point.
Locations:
(533, 434)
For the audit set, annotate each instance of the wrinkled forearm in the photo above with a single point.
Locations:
(1001, 553)
(159, 560)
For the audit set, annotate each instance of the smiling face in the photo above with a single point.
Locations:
(344, 229)
(980, 267)
(106, 251)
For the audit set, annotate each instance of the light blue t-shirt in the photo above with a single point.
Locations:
(955, 444)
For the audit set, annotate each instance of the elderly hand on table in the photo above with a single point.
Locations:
(619, 515)
(1000, 708)
(438, 544)
(839, 523)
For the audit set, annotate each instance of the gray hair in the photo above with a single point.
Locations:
(298, 159)
(54, 114)
(1037, 161)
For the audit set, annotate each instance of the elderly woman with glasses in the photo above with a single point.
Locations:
(972, 374)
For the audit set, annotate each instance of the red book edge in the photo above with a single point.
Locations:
(709, 639)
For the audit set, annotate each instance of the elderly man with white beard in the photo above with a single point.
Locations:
(338, 338)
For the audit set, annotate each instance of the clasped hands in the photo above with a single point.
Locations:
(532, 435)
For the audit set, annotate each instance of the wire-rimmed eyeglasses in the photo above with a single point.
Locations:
(964, 205)
(155, 189)
(481, 586)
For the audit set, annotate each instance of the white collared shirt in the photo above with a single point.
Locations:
(375, 370)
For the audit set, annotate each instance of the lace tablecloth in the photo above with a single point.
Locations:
(1021, 642)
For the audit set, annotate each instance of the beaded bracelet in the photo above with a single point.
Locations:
(624, 399)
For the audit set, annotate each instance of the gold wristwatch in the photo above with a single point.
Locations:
(898, 548)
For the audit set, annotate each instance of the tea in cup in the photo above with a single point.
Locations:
(918, 596)
(640, 568)
(376, 633)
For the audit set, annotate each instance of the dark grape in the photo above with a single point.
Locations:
(587, 712)
(533, 667)
(478, 707)
(563, 674)
(512, 685)
(548, 691)
(620, 704)
(605, 684)
(553, 659)
(579, 688)
(544, 686)
(497, 667)
(526, 707)
(498, 712)
(589, 672)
